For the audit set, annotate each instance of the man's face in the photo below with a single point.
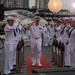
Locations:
(64, 21)
(58, 23)
(46, 25)
(67, 21)
(37, 22)
(73, 23)
(70, 21)
(10, 22)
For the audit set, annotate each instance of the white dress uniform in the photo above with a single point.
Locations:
(63, 38)
(28, 32)
(36, 43)
(51, 35)
(17, 38)
(9, 47)
(46, 36)
(67, 50)
(57, 33)
(72, 46)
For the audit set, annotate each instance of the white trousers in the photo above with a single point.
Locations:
(36, 49)
(67, 58)
(14, 53)
(50, 41)
(72, 53)
(8, 58)
(46, 40)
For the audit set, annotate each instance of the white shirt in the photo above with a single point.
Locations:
(65, 34)
(18, 32)
(36, 31)
(72, 36)
(59, 28)
(9, 33)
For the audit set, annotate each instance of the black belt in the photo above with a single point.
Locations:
(35, 38)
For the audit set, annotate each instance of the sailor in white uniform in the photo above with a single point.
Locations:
(57, 29)
(46, 35)
(36, 41)
(63, 36)
(51, 34)
(18, 35)
(9, 44)
(28, 32)
(64, 40)
(72, 43)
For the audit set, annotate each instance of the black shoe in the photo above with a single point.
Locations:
(14, 65)
(14, 69)
(67, 66)
(8, 74)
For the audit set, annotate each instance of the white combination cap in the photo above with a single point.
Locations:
(51, 23)
(59, 20)
(13, 13)
(10, 18)
(73, 18)
(37, 17)
(66, 18)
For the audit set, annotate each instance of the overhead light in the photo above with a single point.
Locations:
(55, 5)
(74, 4)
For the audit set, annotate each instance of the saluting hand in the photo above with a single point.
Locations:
(32, 22)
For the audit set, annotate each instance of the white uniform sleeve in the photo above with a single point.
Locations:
(5, 28)
(31, 28)
(20, 27)
(15, 25)
(10, 28)
(58, 28)
(42, 30)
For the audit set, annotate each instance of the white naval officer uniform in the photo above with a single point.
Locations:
(46, 36)
(36, 42)
(9, 46)
(51, 35)
(28, 32)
